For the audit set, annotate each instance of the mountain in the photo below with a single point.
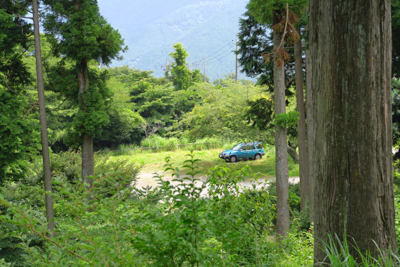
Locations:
(150, 28)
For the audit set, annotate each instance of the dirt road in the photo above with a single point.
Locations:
(147, 179)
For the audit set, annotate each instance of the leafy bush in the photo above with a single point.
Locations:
(180, 224)
(124, 173)
(27, 196)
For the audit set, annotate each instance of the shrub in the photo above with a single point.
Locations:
(176, 224)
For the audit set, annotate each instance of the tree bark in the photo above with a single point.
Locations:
(43, 122)
(351, 89)
(87, 141)
(310, 133)
(303, 155)
(281, 155)
(293, 153)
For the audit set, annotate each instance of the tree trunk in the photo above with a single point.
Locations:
(292, 153)
(310, 133)
(281, 165)
(87, 141)
(351, 83)
(43, 122)
(303, 155)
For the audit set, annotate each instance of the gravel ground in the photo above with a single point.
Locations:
(147, 179)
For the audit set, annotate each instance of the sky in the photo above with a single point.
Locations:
(151, 27)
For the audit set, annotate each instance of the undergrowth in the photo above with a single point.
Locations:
(182, 222)
(190, 223)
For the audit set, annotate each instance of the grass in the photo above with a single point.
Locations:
(152, 161)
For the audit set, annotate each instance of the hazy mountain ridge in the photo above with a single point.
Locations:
(201, 26)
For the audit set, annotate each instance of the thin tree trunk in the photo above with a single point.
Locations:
(303, 155)
(87, 160)
(43, 122)
(87, 141)
(310, 133)
(281, 155)
(351, 84)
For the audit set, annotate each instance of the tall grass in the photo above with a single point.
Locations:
(338, 254)
(157, 143)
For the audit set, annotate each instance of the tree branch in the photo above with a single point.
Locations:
(284, 31)
(9, 86)
(289, 82)
(29, 110)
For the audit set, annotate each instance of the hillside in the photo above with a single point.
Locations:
(205, 28)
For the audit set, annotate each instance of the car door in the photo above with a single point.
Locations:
(252, 151)
(242, 152)
(246, 151)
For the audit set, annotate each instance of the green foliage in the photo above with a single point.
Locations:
(254, 41)
(287, 119)
(179, 74)
(338, 254)
(396, 112)
(220, 112)
(14, 41)
(17, 134)
(118, 131)
(90, 119)
(152, 101)
(121, 171)
(297, 249)
(264, 11)
(397, 217)
(86, 35)
(260, 113)
(396, 38)
(160, 104)
(28, 195)
(64, 165)
(179, 224)
(294, 196)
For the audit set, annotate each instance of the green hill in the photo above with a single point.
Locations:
(150, 28)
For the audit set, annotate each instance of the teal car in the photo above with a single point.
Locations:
(253, 150)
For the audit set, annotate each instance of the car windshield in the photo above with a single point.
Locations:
(237, 147)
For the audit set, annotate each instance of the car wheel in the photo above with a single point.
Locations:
(257, 156)
(233, 159)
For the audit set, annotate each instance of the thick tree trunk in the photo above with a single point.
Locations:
(351, 83)
(303, 155)
(281, 155)
(310, 133)
(43, 121)
(87, 141)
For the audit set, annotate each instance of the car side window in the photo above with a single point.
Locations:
(259, 146)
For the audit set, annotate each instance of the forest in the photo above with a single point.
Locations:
(113, 166)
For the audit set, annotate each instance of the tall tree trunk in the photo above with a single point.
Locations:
(303, 155)
(87, 141)
(43, 121)
(281, 155)
(351, 83)
(310, 133)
